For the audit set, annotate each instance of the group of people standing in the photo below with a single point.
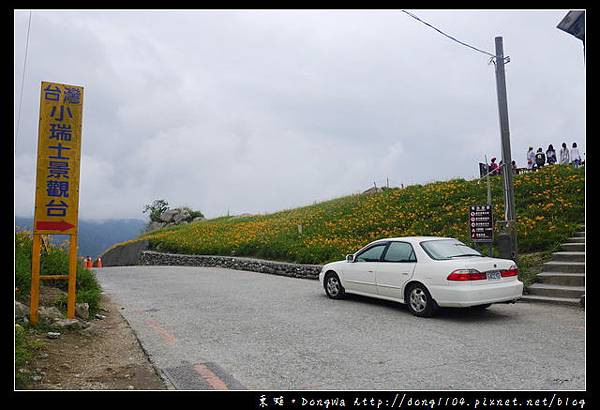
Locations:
(538, 159)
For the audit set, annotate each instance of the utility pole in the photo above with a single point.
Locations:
(509, 195)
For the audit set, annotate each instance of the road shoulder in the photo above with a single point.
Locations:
(106, 356)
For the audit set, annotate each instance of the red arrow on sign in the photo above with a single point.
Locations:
(53, 226)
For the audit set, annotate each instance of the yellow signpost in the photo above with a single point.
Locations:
(57, 182)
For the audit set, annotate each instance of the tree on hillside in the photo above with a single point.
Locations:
(156, 209)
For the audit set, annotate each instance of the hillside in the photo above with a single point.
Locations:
(549, 204)
(95, 237)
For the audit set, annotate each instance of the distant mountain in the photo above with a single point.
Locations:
(95, 237)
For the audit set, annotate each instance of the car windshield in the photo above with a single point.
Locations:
(447, 249)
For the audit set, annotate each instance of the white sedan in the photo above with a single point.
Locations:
(424, 273)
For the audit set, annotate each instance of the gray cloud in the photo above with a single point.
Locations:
(261, 110)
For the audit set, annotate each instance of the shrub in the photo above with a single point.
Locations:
(193, 214)
(22, 264)
(156, 209)
(53, 262)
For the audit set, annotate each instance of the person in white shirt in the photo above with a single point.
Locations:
(564, 155)
(530, 158)
(575, 157)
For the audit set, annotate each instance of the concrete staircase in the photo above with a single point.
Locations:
(562, 280)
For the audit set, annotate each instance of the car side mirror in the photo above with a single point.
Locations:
(350, 258)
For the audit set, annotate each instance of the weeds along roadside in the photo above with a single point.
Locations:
(53, 262)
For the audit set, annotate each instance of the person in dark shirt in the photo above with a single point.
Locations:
(550, 155)
(540, 158)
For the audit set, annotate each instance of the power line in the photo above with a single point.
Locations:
(22, 82)
(449, 36)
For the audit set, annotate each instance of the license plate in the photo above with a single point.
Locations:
(494, 275)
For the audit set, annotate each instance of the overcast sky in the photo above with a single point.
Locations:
(260, 110)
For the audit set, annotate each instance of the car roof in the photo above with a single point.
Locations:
(413, 238)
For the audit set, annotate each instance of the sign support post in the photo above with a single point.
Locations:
(35, 279)
(72, 289)
(57, 184)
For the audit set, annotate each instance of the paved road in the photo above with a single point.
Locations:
(213, 328)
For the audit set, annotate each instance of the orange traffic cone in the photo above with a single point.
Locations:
(99, 263)
(88, 262)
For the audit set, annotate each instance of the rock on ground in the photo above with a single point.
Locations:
(82, 310)
(21, 310)
(50, 314)
(67, 324)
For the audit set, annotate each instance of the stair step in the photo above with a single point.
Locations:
(561, 278)
(566, 267)
(542, 289)
(568, 256)
(577, 239)
(573, 247)
(579, 234)
(547, 299)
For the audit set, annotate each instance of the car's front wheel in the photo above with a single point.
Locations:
(419, 301)
(333, 286)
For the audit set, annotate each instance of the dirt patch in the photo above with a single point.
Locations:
(107, 355)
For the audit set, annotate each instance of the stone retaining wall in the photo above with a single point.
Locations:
(124, 255)
(249, 264)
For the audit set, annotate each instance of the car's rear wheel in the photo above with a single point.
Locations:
(419, 301)
(333, 286)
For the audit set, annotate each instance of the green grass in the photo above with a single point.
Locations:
(549, 206)
(53, 262)
(25, 348)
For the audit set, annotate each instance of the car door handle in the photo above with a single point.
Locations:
(405, 273)
(370, 271)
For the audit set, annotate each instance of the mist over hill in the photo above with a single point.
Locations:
(95, 237)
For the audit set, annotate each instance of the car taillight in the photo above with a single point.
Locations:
(512, 271)
(466, 274)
